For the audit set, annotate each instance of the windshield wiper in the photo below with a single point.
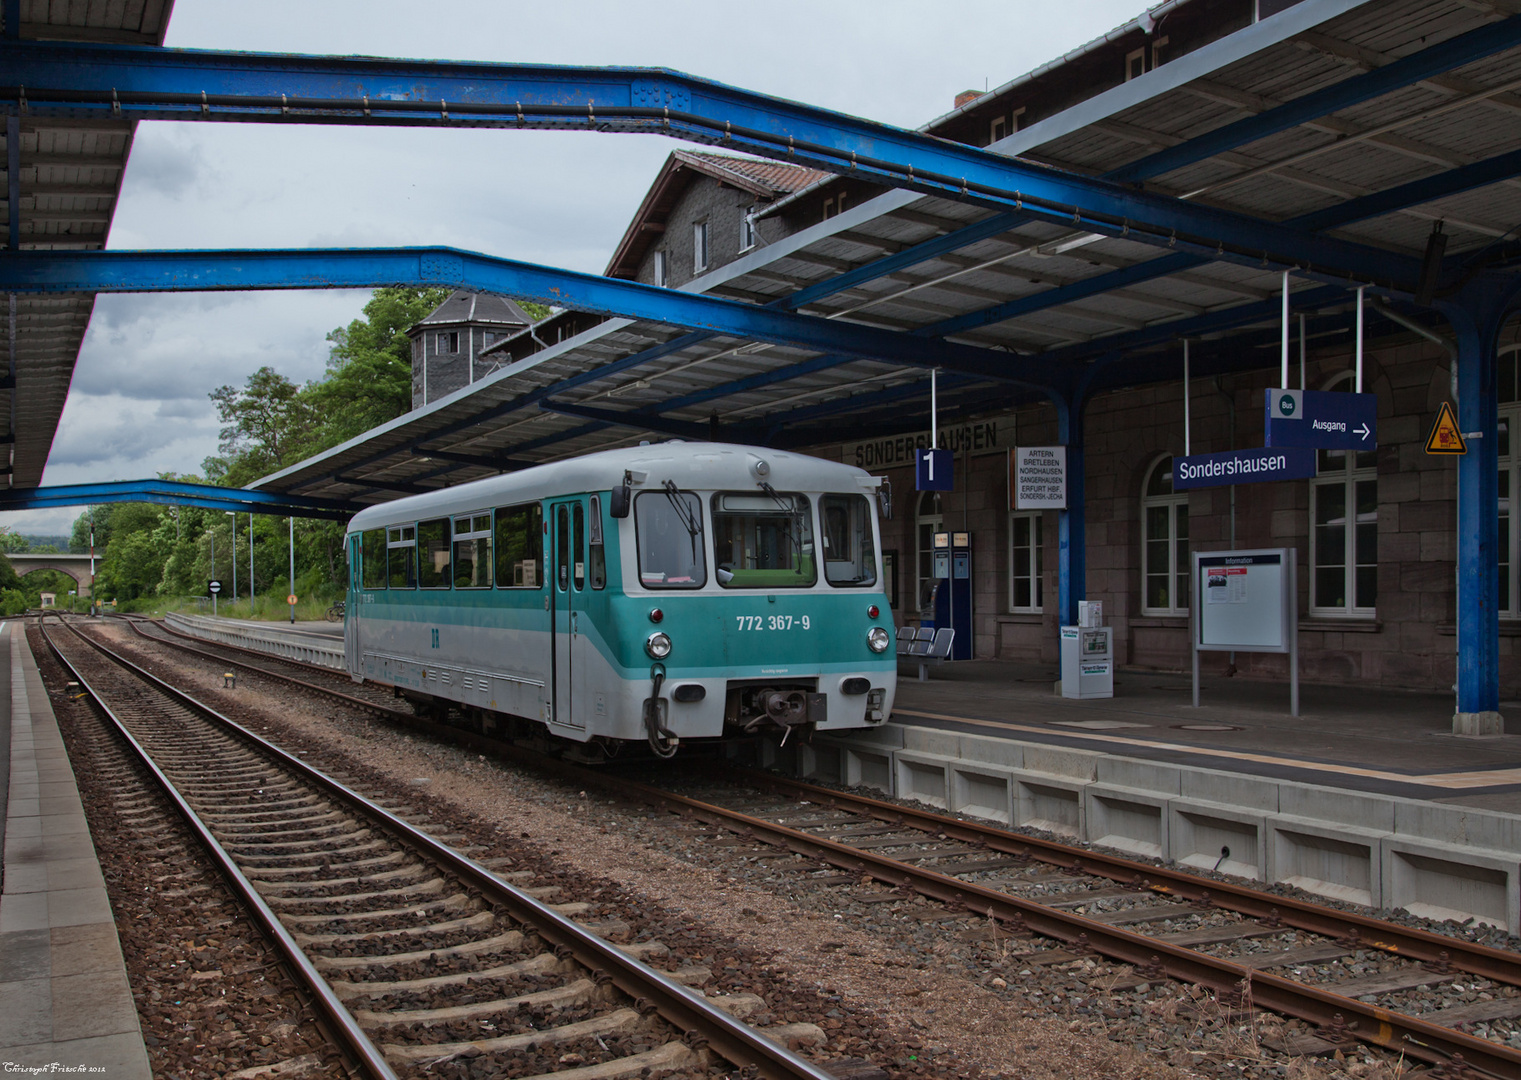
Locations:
(795, 534)
(692, 520)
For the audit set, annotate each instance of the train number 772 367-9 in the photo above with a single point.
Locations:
(772, 622)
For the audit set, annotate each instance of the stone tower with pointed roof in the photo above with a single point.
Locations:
(446, 346)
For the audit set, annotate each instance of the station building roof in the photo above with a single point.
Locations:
(1378, 166)
(69, 174)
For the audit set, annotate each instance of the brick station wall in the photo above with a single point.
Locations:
(1408, 644)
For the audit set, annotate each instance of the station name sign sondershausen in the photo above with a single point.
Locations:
(978, 437)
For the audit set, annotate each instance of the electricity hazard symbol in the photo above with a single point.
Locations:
(1445, 438)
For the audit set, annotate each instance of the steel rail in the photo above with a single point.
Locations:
(1370, 933)
(1363, 1021)
(352, 1035)
(686, 1009)
(326, 691)
(1336, 1015)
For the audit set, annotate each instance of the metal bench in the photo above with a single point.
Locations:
(927, 647)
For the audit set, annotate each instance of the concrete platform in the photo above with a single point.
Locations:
(1351, 737)
(64, 995)
(319, 643)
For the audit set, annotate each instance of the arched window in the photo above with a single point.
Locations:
(927, 522)
(1164, 543)
(1344, 529)
(1510, 476)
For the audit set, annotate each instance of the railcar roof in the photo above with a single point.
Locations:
(692, 465)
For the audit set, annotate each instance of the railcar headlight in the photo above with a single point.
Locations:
(658, 645)
(878, 639)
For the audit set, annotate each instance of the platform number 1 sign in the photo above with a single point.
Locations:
(934, 470)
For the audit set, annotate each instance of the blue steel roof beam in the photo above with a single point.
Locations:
(560, 436)
(377, 483)
(176, 493)
(145, 82)
(20, 499)
(1252, 350)
(677, 428)
(485, 461)
(1452, 182)
(203, 271)
(749, 382)
(954, 408)
(1453, 53)
(776, 421)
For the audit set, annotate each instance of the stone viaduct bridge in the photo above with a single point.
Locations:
(77, 567)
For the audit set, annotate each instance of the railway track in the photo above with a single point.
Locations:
(1351, 976)
(416, 954)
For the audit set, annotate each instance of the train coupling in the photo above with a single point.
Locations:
(785, 707)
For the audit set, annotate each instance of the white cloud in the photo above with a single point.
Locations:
(559, 198)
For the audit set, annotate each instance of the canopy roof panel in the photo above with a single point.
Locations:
(62, 178)
(1426, 144)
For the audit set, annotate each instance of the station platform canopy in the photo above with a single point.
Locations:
(1372, 123)
(62, 178)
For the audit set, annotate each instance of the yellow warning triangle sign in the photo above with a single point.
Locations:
(1445, 438)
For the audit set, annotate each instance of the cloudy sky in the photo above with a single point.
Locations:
(139, 404)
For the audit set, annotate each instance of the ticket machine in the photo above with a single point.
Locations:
(953, 589)
(1087, 662)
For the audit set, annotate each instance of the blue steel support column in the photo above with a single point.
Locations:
(1476, 314)
(1072, 556)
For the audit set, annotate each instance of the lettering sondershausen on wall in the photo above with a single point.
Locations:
(1039, 477)
(1253, 466)
(977, 437)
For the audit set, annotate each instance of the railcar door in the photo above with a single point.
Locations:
(351, 619)
(567, 606)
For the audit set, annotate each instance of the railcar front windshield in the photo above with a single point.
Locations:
(763, 541)
(671, 545)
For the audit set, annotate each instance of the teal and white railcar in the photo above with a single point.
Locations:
(663, 592)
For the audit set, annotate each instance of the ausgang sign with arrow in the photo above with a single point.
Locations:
(1322, 420)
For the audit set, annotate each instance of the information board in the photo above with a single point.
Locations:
(1241, 600)
(1039, 477)
(1246, 601)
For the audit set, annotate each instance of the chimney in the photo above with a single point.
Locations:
(967, 95)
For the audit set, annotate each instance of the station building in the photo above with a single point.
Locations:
(1187, 100)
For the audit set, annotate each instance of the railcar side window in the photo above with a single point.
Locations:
(520, 547)
(372, 558)
(578, 552)
(433, 553)
(850, 552)
(670, 556)
(596, 557)
(763, 541)
(401, 556)
(472, 551)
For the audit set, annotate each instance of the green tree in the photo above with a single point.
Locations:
(12, 542)
(265, 425)
(8, 576)
(369, 367)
